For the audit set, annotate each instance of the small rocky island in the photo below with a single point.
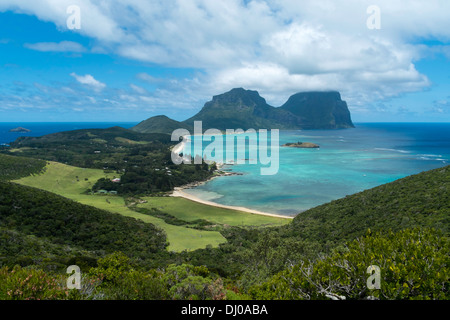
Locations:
(299, 144)
(20, 130)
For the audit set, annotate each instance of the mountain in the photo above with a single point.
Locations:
(319, 110)
(240, 108)
(245, 109)
(159, 124)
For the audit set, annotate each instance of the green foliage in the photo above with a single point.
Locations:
(28, 284)
(270, 254)
(420, 200)
(12, 167)
(122, 281)
(315, 257)
(142, 160)
(160, 124)
(21, 249)
(61, 221)
(111, 267)
(414, 265)
(187, 282)
(136, 285)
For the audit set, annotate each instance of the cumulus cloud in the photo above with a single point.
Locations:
(276, 46)
(89, 81)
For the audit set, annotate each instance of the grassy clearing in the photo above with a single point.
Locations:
(65, 180)
(62, 180)
(72, 182)
(124, 140)
(188, 210)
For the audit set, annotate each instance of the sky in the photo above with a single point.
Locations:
(128, 60)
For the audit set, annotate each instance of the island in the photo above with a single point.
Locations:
(20, 130)
(299, 144)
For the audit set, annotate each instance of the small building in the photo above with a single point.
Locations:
(116, 180)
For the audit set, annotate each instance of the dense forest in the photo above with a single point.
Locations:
(402, 227)
(142, 160)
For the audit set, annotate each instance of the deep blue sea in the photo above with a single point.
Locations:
(347, 162)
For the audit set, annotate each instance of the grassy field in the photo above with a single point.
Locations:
(72, 182)
(188, 210)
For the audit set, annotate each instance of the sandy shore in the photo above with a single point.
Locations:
(178, 192)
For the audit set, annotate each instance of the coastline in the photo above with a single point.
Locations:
(178, 192)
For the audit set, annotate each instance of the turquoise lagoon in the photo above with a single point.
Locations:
(348, 161)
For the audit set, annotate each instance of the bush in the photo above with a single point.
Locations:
(414, 265)
(187, 282)
(28, 284)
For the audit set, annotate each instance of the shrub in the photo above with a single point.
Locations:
(28, 284)
(414, 265)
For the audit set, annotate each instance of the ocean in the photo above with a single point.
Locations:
(348, 161)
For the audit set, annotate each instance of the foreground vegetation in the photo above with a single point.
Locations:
(413, 265)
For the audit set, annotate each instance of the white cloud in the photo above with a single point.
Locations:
(138, 89)
(63, 46)
(95, 17)
(89, 81)
(147, 78)
(277, 47)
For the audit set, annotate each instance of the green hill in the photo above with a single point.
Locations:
(114, 136)
(159, 124)
(421, 200)
(142, 160)
(53, 219)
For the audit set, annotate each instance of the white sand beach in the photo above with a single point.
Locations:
(178, 192)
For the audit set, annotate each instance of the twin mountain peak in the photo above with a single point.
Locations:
(246, 109)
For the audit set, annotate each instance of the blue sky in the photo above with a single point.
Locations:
(131, 60)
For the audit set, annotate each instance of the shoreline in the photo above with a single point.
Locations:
(178, 192)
